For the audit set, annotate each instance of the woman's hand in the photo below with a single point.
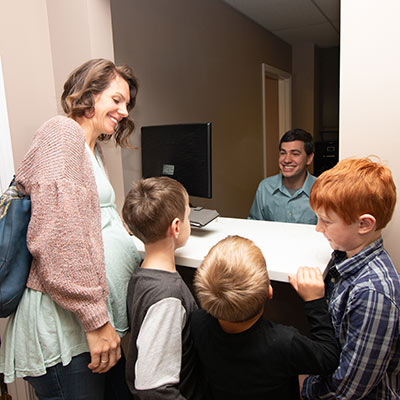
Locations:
(105, 348)
(309, 284)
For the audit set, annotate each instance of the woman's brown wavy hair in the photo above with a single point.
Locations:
(91, 78)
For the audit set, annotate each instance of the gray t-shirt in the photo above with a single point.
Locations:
(160, 359)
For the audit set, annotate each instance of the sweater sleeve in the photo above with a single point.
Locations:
(64, 234)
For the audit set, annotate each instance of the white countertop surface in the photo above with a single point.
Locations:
(285, 246)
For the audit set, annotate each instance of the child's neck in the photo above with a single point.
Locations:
(239, 327)
(160, 255)
(366, 241)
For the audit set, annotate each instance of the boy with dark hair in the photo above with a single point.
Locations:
(285, 197)
(354, 201)
(160, 360)
(243, 355)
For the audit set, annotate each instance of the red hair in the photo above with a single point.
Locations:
(354, 187)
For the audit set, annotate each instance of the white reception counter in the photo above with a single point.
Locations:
(285, 246)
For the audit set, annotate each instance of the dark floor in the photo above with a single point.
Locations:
(286, 307)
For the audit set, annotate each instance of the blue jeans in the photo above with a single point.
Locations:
(116, 387)
(74, 381)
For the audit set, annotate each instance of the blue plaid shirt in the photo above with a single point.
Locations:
(364, 304)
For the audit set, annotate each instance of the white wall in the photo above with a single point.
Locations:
(369, 90)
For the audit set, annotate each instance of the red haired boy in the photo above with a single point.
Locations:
(354, 201)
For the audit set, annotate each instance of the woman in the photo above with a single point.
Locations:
(66, 330)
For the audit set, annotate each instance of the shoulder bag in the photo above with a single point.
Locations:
(15, 259)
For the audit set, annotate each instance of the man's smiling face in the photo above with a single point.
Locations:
(293, 159)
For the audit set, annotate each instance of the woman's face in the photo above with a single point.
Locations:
(110, 106)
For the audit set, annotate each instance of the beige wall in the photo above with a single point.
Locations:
(91, 37)
(196, 61)
(39, 47)
(369, 90)
(27, 68)
(304, 87)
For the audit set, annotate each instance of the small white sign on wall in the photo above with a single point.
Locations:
(6, 155)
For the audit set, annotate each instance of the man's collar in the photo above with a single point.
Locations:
(306, 188)
(307, 185)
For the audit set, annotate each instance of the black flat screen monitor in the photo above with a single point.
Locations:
(181, 152)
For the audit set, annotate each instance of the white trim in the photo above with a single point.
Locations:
(263, 72)
(285, 103)
(6, 154)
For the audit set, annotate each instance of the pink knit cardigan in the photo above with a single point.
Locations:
(64, 234)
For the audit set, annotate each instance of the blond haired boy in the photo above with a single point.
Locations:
(160, 361)
(243, 355)
(354, 201)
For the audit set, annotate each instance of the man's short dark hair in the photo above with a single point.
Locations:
(299, 134)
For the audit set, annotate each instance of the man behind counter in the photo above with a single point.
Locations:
(285, 197)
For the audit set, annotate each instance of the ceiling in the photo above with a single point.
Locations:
(295, 21)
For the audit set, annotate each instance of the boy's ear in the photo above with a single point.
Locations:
(366, 223)
(175, 227)
(270, 292)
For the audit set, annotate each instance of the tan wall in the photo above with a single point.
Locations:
(28, 71)
(304, 90)
(369, 91)
(196, 61)
(91, 37)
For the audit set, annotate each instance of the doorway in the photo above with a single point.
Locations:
(277, 113)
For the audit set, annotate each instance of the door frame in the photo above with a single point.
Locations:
(284, 101)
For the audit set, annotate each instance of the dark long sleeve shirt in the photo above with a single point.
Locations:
(264, 361)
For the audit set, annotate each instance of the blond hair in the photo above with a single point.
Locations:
(354, 187)
(232, 283)
(151, 206)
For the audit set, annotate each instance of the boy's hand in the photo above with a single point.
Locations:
(302, 378)
(309, 284)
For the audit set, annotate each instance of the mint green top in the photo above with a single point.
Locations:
(40, 333)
